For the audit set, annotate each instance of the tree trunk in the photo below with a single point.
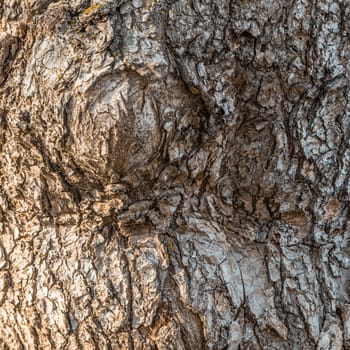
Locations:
(174, 174)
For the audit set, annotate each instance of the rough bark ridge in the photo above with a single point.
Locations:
(174, 174)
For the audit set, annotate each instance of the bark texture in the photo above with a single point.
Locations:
(174, 174)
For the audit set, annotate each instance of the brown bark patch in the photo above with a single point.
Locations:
(298, 219)
(332, 209)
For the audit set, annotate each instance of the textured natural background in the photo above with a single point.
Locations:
(174, 174)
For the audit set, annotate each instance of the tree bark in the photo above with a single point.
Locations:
(174, 174)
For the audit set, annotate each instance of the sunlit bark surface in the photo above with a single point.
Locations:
(174, 174)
